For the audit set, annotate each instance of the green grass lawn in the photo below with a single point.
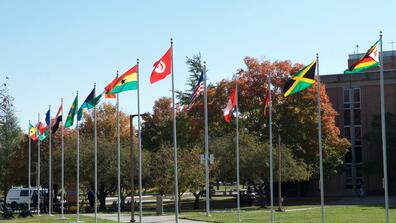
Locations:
(333, 214)
(45, 218)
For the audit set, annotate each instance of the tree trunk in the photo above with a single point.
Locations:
(196, 202)
(102, 200)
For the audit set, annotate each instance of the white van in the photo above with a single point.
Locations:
(20, 195)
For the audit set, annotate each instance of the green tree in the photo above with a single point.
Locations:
(10, 136)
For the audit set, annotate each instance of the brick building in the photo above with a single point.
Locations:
(356, 98)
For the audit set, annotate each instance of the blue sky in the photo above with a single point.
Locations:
(50, 49)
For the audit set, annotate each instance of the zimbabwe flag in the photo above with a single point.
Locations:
(127, 81)
(302, 80)
(368, 61)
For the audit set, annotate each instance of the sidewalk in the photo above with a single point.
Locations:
(146, 219)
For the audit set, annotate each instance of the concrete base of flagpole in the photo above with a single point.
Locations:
(62, 218)
(280, 210)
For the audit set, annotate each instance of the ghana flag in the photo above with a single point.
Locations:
(302, 80)
(368, 61)
(126, 82)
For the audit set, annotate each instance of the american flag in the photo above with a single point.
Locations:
(199, 89)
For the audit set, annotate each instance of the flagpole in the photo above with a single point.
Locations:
(207, 186)
(78, 170)
(175, 142)
(320, 142)
(29, 168)
(140, 148)
(63, 168)
(383, 131)
(270, 149)
(50, 166)
(118, 160)
(38, 171)
(237, 149)
(96, 161)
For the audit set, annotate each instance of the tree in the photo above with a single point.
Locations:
(374, 166)
(10, 136)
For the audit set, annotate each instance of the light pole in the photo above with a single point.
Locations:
(132, 159)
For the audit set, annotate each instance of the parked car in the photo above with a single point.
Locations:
(17, 196)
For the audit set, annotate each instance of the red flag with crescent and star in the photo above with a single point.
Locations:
(162, 68)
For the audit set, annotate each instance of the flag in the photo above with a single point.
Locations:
(57, 120)
(109, 87)
(94, 101)
(266, 102)
(84, 105)
(126, 82)
(368, 61)
(43, 126)
(33, 132)
(162, 68)
(302, 80)
(199, 89)
(72, 112)
(231, 103)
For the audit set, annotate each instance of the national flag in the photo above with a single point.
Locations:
(162, 68)
(43, 126)
(126, 82)
(199, 89)
(109, 87)
(72, 112)
(368, 61)
(94, 101)
(231, 103)
(33, 132)
(266, 102)
(302, 80)
(84, 105)
(57, 120)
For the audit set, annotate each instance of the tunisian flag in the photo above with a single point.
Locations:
(266, 102)
(162, 68)
(231, 103)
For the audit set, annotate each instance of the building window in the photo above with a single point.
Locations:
(346, 96)
(356, 116)
(347, 117)
(358, 154)
(347, 132)
(348, 156)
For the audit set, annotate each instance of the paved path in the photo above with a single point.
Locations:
(146, 219)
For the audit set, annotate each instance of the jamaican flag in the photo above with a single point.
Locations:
(302, 80)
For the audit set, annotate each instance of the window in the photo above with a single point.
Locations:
(358, 154)
(346, 96)
(348, 156)
(356, 95)
(348, 170)
(24, 193)
(347, 117)
(347, 132)
(358, 133)
(358, 170)
(356, 117)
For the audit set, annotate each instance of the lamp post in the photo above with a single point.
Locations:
(132, 134)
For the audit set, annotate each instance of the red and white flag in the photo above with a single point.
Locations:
(162, 68)
(266, 102)
(231, 103)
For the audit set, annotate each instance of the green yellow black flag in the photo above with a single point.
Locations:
(302, 80)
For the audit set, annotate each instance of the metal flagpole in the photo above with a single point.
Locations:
(118, 160)
(63, 168)
(50, 166)
(175, 143)
(140, 148)
(320, 141)
(237, 149)
(270, 149)
(78, 170)
(96, 162)
(207, 186)
(29, 168)
(38, 171)
(383, 128)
